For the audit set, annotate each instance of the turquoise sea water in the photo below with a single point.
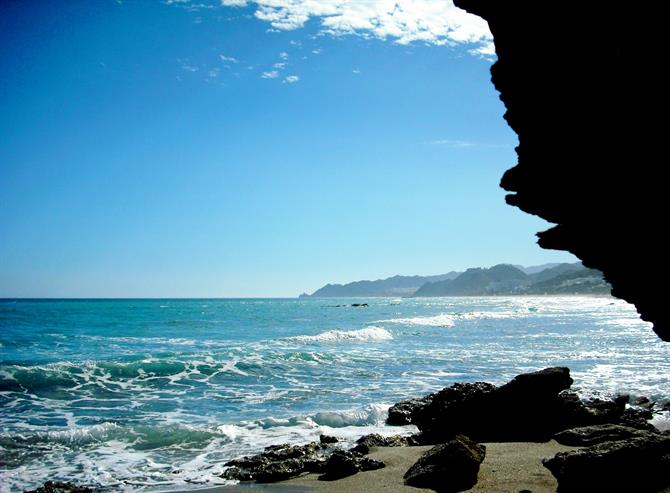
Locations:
(156, 394)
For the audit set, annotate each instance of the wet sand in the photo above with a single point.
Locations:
(507, 468)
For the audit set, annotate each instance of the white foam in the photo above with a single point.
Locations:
(371, 333)
(450, 319)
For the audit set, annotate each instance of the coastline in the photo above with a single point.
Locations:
(508, 467)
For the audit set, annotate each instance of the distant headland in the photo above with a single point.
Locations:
(501, 279)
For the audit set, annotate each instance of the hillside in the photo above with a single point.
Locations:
(392, 286)
(502, 279)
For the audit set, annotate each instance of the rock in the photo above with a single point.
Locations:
(401, 413)
(366, 442)
(637, 418)
(603, 86)
(343, 463)
(531, 407)
(277, 462)
(359, 304)
(643, 402)
(639, 464)
(451, 466)
(577, 412)
(324, 439)
(525, 409)
(591, 435)
(60, 487)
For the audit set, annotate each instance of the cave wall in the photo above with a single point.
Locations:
(583, 86)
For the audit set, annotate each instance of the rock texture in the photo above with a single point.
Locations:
(60, 487)
(451, 466)
(366, 442)
(531, 407)
(639, 464)
(342, 463)
(593, 435)
(583, 89)
(278, 462)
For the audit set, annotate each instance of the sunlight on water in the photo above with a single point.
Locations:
(161, 392)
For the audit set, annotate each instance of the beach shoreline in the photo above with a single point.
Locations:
(508, 467)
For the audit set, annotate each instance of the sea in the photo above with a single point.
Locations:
(157, 394)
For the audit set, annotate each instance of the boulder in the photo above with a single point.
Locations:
(531, 407)
(451, 466)
(277, 462)
(401, 413)
(342, 463)
(639, 464)
(592, 435)
(366, 442)
(325, 439)
(525, 409)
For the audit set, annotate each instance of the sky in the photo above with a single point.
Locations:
(239, 148)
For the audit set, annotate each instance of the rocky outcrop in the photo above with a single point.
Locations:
(584, 92)
(402, 412)
(326, 439)
(451, 466)
(60, 487)
(592, 435)
(278, 462)
(343, 463)
(532, 407)
(528, 408)
(366, 442)
(639, 464)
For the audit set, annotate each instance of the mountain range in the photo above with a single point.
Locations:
(501, 279)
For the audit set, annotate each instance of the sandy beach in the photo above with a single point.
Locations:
(508, 467)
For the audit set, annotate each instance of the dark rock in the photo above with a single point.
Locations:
(638, 418)
(532, 407)
(342, 463)
(451, 466)
(324, 439)
(639, 464)
(366, 442)
(277, 462)
(525, 409)
(582, 105)
(643, 402)
(401, 413)
(591, 435)
(359, 304)
(577, 412)
(60, 487)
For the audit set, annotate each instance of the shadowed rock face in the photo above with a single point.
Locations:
(583, 89)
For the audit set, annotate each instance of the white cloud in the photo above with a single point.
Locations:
(403, 21)
(317, 51)
(230, 59)
(272, 74)
(279, 65)
(291, 79)
(283, 55)
(355, 71)
(452, 143)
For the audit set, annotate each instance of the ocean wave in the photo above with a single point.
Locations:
(450, 319)
(368, 334)
(374, 414)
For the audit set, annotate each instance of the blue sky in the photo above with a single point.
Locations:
(248, 148)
